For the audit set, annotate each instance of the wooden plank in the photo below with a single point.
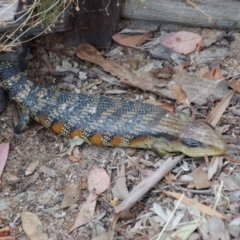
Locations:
(200, 13)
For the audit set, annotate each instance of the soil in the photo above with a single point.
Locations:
(42, 191)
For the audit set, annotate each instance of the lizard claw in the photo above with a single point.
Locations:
(18, 137)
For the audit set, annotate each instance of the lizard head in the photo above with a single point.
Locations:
(200, 139)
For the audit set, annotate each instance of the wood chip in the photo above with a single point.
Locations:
(31, 168)
(48, 171)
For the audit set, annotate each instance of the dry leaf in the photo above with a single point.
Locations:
(131, 40)
(72, 194)
(217, 229)
(98, 180)
(168, 107)
(77, 155)
(218, 111)
(158, 209)
(235, 85)
(195, 215)
(114, 220)
(73, 159)
(4, 232)
(203, 208)
(213, 74)
(179, 94)
(119, 189)
(32, 226)
(86, 212)
(170, 177)
(213, 167)
(183, 232)
(230, 183)
(126, 215)
(183, 42)
(233, 227)
(4, 149)
(200, 178)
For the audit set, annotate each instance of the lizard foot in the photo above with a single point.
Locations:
(76, 141)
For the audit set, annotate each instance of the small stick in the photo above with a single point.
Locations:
(149, 182)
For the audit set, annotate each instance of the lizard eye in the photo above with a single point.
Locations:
(189, 142)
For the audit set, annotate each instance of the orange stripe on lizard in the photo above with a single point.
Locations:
(137, 140)
(116, 140)
(76, 133)
(96, 139)
(57, 127)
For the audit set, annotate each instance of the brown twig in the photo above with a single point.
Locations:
(149, 182)
(206, 192)
(89, 53)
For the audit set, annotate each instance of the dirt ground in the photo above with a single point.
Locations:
(42, 191)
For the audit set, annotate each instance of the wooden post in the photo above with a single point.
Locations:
(94, 23)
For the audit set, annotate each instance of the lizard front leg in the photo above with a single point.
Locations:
(23, 120)
(163, 147)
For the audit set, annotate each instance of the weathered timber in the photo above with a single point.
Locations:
(200, 13)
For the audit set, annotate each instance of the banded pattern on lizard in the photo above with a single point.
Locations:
(108, 121)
